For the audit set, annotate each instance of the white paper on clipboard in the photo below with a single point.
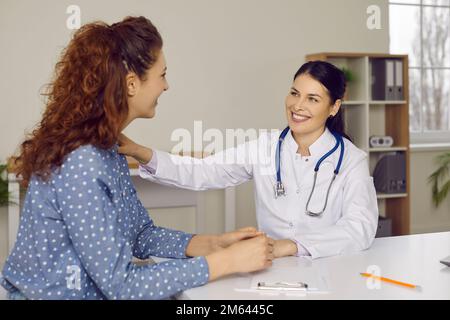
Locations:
(316, 279)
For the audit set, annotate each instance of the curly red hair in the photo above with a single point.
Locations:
(87, 101)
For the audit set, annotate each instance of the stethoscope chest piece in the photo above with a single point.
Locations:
(279, 190)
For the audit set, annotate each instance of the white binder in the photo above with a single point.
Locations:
(390, 80)
(398, 80)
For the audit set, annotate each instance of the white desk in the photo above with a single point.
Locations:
(414, 259)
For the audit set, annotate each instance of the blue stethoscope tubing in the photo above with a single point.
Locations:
(279, 187)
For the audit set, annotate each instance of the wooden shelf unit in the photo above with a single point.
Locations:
(365, 117)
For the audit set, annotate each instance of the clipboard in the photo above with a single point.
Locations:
(292, 280)
(283, 286)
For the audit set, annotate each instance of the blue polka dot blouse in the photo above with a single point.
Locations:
(80, 230)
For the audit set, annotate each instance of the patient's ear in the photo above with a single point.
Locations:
(132, 84)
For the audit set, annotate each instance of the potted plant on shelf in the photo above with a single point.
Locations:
(4, 194)
(440, 179)
(349, 78)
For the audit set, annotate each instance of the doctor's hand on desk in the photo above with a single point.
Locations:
(130, 148)
(247, 255)
(283, 248)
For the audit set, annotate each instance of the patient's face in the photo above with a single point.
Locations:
(145, 100)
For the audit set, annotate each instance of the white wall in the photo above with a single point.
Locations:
(228, 60)
(230, 64)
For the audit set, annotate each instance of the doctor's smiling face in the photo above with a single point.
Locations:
(314, 101)
(308, 106)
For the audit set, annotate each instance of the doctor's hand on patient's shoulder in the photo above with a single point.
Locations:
(130, 148)
(243, 256)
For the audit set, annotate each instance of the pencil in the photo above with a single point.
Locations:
(412, 286)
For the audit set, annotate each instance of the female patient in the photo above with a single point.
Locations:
(82, 222)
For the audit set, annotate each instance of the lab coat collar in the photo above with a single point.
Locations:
(321, 146)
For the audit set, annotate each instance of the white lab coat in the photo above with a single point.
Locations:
(350, 220)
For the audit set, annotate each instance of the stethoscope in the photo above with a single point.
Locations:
(279, 187)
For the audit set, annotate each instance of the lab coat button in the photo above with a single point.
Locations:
(298, 190)
(291, 224)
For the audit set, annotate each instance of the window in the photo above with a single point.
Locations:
(421, 29)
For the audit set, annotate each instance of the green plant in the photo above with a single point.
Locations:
(440, 179)
(348, 74)
(4, 194)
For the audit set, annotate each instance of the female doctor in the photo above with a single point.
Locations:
(317, 198)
